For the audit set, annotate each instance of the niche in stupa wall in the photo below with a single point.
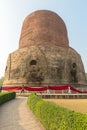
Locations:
(35, 72)
(36, 67)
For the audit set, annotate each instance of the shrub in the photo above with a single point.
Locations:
(6, 96)
(54, 117)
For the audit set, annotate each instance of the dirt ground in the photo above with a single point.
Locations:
(78, 105)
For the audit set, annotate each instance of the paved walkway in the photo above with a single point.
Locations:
(15, 115)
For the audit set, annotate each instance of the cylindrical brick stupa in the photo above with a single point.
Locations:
(44, 56)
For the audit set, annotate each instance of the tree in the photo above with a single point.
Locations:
(1, 80)
(86, 77)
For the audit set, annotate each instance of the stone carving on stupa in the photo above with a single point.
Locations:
(44, 56)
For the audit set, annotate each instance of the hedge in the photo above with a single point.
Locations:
(54, 117)
(6, 96)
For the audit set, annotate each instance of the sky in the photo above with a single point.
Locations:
(13, 13)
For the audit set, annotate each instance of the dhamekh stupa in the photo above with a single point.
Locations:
(44, 56)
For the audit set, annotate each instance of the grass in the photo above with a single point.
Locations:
(78, 105)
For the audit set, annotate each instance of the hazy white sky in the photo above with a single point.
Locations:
(13, 12)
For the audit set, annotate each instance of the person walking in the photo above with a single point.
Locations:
(22, 90)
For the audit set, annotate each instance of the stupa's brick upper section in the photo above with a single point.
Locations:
(43, 27)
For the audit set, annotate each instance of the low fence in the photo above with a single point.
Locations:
(47, 89)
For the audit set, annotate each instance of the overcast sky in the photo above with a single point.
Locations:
(13, 12)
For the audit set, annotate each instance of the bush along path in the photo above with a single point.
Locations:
(6, 96)
(54, 117)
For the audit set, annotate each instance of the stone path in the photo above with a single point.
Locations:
(15, 115)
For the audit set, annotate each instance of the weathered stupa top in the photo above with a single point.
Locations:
(43, 27)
